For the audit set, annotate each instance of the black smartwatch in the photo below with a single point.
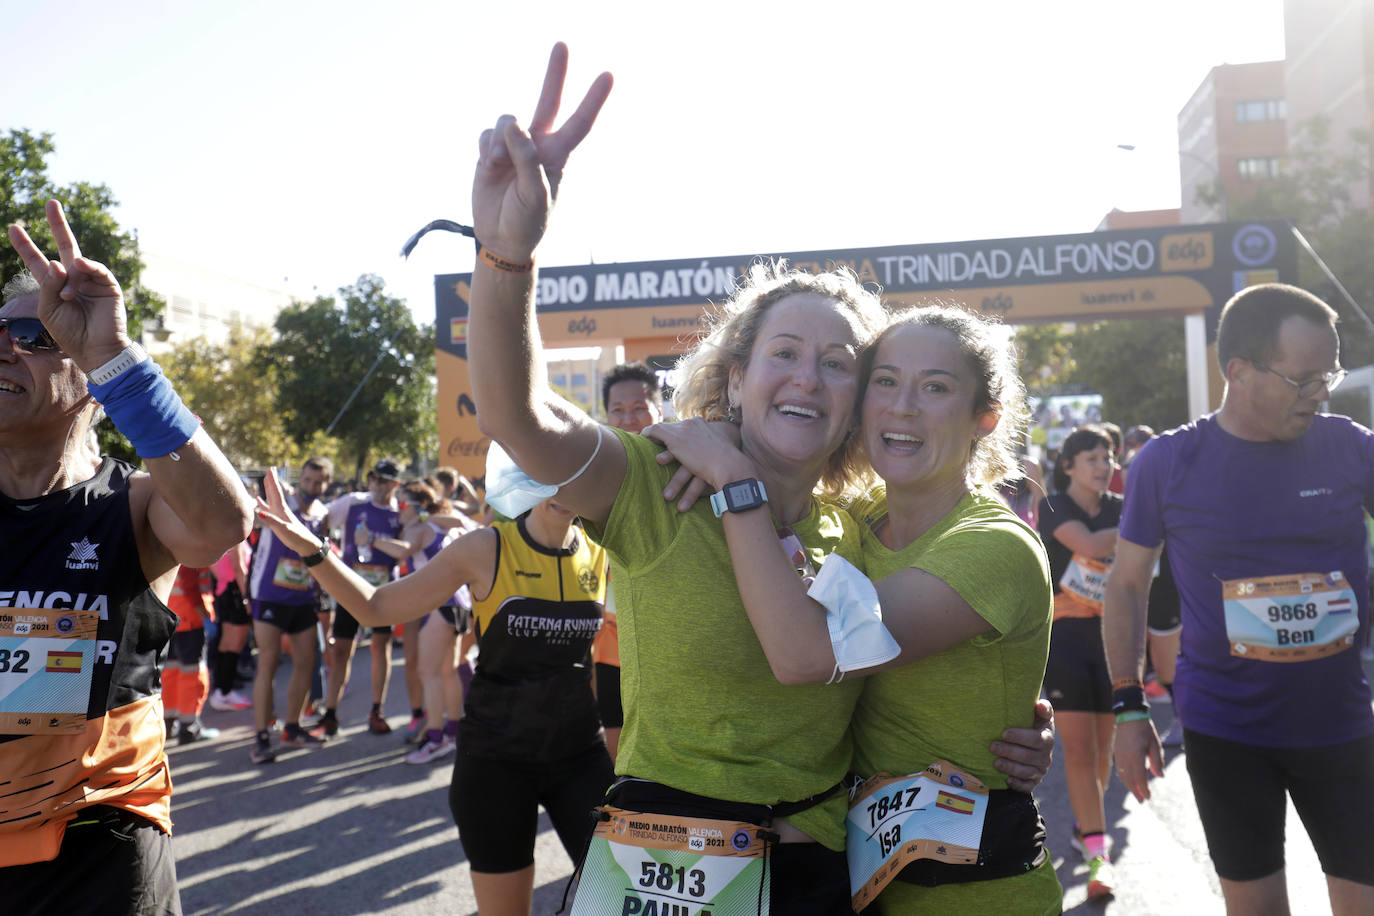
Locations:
(316, 558)
(739, 496)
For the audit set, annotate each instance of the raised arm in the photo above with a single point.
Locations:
(516, 179)
(1124, 615)
(470, 560)
(193, 507)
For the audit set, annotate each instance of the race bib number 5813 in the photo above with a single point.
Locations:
(665, 865)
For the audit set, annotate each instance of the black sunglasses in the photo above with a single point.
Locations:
(28, 334)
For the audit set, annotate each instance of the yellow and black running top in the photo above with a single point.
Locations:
(531, 696)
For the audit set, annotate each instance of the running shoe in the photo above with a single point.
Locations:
(1156, 692)
(229, 702)
(1101, 877)
(1076, 841)
(295, 736)
(432, 750)
(192, 732)
(329, 722)
(262, 749)
(376, 723)
(415, 731)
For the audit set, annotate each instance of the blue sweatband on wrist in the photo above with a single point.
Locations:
(146, 409)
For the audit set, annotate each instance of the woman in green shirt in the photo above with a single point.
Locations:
(964, 588)
(705, 722)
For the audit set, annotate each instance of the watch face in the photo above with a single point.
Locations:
(740, 493)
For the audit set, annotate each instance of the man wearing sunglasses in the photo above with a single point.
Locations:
(89, 549)
(1262, 507)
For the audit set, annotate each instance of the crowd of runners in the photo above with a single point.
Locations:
(790, 648)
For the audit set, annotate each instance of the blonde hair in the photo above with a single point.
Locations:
(732, 327)
(989, 348)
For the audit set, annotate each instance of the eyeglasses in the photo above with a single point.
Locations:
(1306, 389)
(28, 334)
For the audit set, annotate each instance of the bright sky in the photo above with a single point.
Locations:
(308, 140)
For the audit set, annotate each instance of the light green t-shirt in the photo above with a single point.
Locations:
(703, 711)
(952, 705)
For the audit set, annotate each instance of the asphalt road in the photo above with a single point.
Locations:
(351, 828)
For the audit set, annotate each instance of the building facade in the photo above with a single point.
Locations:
(1235, 129)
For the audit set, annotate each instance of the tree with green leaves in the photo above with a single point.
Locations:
(327, 348)
(1139, 367)
(234, 396)
(25, 187)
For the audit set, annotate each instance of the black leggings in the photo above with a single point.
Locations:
(112, 863)
(495, 804)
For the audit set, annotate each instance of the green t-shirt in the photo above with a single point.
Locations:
(952, 705)
(703, 711)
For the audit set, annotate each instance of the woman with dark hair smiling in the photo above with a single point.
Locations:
(1078, 525)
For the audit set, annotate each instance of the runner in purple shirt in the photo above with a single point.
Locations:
(1262, 507)
(363, 517)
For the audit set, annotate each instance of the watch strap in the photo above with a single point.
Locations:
(316, 558)
(126, 359)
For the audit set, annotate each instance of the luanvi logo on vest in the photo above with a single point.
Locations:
(83, 555)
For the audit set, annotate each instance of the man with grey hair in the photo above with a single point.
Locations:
(1261, 508)
(92, 547)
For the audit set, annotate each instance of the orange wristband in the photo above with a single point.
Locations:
(1126, 682)
(496, 262)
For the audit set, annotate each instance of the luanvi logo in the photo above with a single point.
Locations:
(83, 555)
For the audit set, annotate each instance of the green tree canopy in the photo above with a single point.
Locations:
(325, 348)
(1139, 368)
(227, 386)
(25, 187)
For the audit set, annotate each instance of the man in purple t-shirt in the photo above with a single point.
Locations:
(284, 603)
(1262, 506)
(363, 517)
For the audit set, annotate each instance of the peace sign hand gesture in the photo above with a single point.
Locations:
(518, 172)
(80, 302)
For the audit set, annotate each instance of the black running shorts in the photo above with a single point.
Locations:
(1241, 794)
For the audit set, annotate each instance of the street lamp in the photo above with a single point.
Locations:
(1207, 163)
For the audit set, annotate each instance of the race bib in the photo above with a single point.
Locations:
(1085, 580)
(291, 574)
(1293, 618)
(374, 574)
(665, 865)
(892, 821)
(46, 660)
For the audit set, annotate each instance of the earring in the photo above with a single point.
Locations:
(732, 414)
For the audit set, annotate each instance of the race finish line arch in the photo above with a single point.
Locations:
(647, 306)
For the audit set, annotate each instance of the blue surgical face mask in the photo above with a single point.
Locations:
(510, 491)
(854, 617)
